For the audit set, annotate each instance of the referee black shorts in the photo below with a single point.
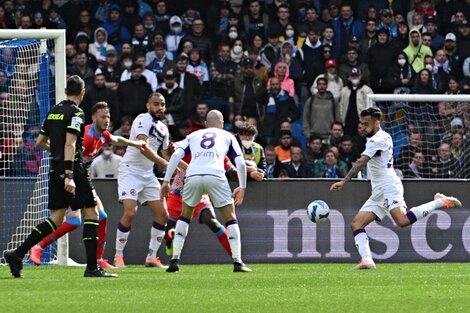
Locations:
(59, 198)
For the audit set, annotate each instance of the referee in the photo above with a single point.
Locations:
(69, 184)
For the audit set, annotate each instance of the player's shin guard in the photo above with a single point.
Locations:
(157, 233)
(362, 244)
(70, 224)
(234, 240)
(102, 224)
(222, 237)
(38, 232)
(90, 240)
(122, 234)
(181, 231)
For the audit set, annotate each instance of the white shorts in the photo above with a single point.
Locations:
(384, 199)
(217, 188)
(142, 188)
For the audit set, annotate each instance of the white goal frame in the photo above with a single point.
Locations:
(372, 98)
(58, 35)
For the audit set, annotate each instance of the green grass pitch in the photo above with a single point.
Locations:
(405, 287)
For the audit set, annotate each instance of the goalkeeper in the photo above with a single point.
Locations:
(96, 135)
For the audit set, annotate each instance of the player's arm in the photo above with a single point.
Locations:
(121, 141)
(167, 156)
(150, 154)
(355, 169)
(43, 142)
(174, 161)
(239, 192)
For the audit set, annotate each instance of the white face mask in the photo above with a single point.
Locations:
(127, 64)
(401, 62)
(428, 67)
(238, 123)
(233, 35)
(247, 143)
(177, 30)
(289, 33)
(355, 81)
(237, 49)
(107, 153)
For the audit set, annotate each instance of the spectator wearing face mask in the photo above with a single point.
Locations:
(353, 101)
(175, 35)
(106, 165)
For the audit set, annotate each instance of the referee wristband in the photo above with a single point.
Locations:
(68, 165)
(69, 175)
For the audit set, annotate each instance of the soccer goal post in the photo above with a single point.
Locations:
(32, 80)
(432, 125)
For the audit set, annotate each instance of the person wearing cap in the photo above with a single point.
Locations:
(54, 18)
(416, 51)
(345, 27)
(453, 52)
(249, 91)
(353, 101)
(369, 39)
(117, 32)
(437, 41)
(173, 38)
(353, 60)
(386, 22)
(140, 38)
(174, 100)
(335, 83)
(380, 59)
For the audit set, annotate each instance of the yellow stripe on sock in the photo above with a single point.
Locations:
(50, 224)
(91, 223)
(34, 228)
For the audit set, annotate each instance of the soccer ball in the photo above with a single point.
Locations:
(318, 211)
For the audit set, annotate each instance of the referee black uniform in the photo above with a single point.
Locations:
(65, 118)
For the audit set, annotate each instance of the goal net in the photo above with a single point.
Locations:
(431, 133)
(27, 92)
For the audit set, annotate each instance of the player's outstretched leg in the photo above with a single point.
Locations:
(447, 202)
(440, 201)
(15, 258)
(72, 221)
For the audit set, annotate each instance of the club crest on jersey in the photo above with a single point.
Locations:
(133, 192)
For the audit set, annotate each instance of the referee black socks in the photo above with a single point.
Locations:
(37, 234)
(90, 240)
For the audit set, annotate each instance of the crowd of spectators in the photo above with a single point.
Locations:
(299, 70)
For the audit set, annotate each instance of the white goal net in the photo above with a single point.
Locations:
(27, 91)
(431, 133)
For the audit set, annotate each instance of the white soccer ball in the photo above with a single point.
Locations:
(318, 211)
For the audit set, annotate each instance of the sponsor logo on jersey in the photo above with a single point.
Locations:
(55, 117)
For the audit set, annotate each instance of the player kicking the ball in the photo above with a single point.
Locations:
(387, 189)
(206, 174)
(95, 136)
